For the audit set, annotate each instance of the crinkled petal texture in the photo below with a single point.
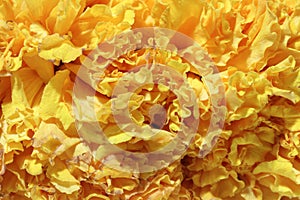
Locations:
(255, 45)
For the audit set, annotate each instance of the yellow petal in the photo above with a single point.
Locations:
(44, 68)
(122, 137)
(53, 93)
(40, 9)
(210, 177)
(280, 176)
(62, 179)
(33, 167)
(63, 15)
(57, 48)
(52, 141)
(32, 84)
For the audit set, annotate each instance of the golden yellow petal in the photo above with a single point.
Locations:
(44, 68)
(56, 48)
(62, 179)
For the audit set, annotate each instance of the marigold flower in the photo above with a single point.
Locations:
(48, 48)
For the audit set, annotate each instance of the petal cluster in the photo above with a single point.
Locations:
(254, 44)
